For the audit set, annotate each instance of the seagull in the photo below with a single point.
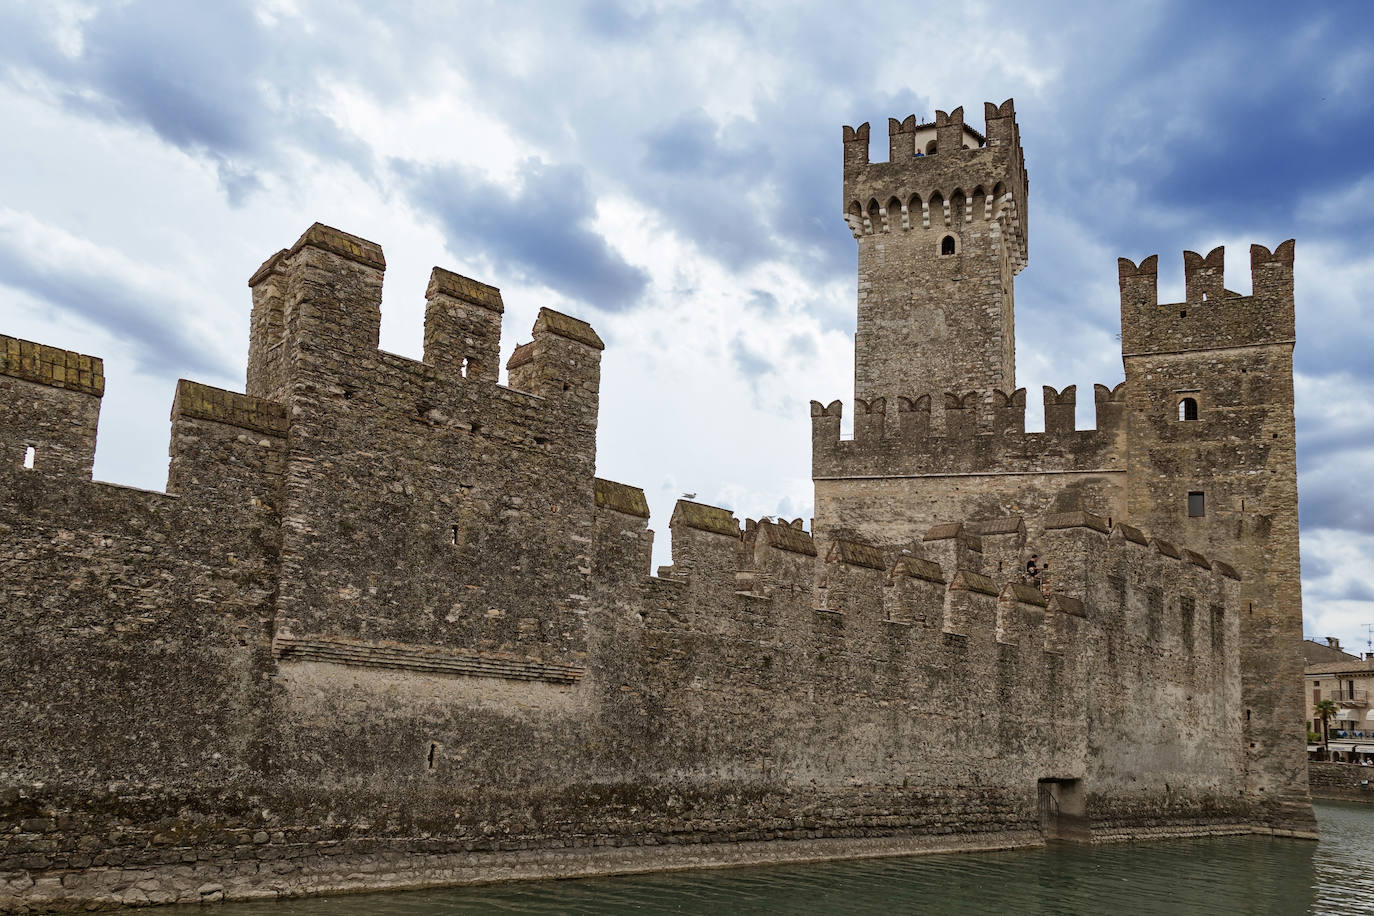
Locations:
(689, 496)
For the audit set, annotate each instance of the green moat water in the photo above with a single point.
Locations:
(1220, 875)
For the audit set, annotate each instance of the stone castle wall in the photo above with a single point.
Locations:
(1205, 415)
(386, 628)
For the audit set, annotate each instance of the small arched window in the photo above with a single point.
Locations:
(30, 453)
(1187, 409)
(930, 148)
(947, 245)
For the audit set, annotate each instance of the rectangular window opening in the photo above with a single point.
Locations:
(1197, 504)
(30, 453)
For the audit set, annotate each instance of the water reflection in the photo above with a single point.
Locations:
(1220, 875)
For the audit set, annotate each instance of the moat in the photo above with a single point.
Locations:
(1221, 875)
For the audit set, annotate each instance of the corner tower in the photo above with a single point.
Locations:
(941, 228)
(1212, 460)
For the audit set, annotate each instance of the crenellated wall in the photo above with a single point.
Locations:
(908, 469)
(1197, 444)
(49, 407)
(387, 628)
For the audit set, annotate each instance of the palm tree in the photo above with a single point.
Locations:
(1326, 709)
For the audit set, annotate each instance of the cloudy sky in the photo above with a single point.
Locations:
(671, 172)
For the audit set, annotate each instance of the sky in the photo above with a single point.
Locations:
(670, 172)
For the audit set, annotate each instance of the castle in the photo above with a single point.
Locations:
(386, 628)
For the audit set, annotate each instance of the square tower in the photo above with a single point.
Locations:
(1212, 462)
(941, 228)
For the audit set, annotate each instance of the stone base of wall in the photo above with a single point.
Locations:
(201, 882)
(297, 875)
(1145, 834)
(1341, 781)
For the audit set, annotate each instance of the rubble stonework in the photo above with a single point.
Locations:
(939, 427)
(386, 628)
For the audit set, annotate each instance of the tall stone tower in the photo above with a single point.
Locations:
(942, 233)
(1212, 461)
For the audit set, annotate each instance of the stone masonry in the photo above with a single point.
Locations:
(385, 628)
(1197, 445)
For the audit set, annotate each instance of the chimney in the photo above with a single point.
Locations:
(1333, 642)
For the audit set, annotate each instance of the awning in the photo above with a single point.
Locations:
(1314, 747)
(1364, 749)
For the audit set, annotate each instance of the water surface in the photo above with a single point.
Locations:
(1248, 874)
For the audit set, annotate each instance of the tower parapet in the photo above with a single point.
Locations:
(942, 232)
(1210, 316)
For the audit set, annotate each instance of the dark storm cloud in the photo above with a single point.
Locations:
(1316, 566)
(1256, 140)
(711, 183)
(1335, 495)
(693, 143)
(541, 228)
(128, 312)
(1353, 590)
(748, 360)
(208, 79)
(185, 70)
(1320, 438)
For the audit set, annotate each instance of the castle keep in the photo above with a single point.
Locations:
(386, 628)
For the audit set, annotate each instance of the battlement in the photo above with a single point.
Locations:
(939, 176)
(1109, 578)
(1211, 316)
(969, 432)
(44, 365)
(203, 402)
(49, 408)
(316, 310)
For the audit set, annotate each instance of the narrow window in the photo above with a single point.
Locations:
(1197, 504)
(433, 752)
(1187, 409)
(30, 453)
(947, 245)
(1183, 313)
(463, 367)
(453, 535)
